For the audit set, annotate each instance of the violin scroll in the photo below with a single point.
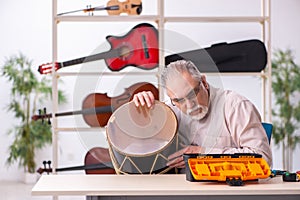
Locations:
(42, 115)
(45, 169)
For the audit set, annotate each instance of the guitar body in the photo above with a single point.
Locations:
(138, 48)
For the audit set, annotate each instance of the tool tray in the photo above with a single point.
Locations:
(225, 167)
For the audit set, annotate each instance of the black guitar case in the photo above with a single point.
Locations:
(243, 56)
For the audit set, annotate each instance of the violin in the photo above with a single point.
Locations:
(115, 7)
(98, 107)
(97, 161)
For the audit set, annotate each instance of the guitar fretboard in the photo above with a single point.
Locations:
(114, 53)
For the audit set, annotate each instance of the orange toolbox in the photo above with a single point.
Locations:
(233, 169)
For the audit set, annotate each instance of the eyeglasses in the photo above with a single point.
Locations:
(190, 96)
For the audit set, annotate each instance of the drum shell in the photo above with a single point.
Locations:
(155, 163)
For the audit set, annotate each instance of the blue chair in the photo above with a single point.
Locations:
(268, 128)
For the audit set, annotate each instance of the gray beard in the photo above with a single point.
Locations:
(200, 115)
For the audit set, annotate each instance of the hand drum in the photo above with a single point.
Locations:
(141, 138)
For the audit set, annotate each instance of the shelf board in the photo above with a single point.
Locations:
(61, 74)
(79, 18)
(259, 74)
(218, 19)
(75, 129)
(104, 73)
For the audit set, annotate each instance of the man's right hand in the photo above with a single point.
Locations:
(142, 98)
(176, 159)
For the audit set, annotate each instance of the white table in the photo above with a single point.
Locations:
(161, 187)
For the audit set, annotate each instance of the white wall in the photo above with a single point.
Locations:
(26, 27)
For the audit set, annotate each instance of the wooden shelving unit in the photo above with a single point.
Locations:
(160, 19)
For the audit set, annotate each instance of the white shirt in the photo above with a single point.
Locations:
(232, 125)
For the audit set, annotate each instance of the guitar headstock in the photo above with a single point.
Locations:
(47, 68)
(42, 115)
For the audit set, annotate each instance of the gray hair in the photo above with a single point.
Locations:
(177, 68)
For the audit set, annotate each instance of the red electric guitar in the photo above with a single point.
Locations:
(138, 48)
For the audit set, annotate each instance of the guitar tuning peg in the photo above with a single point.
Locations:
(49, 121)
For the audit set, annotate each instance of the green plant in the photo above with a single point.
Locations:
(27, 92)
(286, 88)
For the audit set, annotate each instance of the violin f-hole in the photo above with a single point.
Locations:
(127, 97)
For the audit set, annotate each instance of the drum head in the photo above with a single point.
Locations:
(140, 131)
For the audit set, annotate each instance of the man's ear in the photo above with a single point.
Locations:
(204, 82)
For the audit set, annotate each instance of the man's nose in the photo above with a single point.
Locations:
(190, 103)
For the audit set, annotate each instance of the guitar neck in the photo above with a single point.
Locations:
(104, 55)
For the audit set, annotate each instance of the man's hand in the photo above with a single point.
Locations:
(176, 159)
(142, 98)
